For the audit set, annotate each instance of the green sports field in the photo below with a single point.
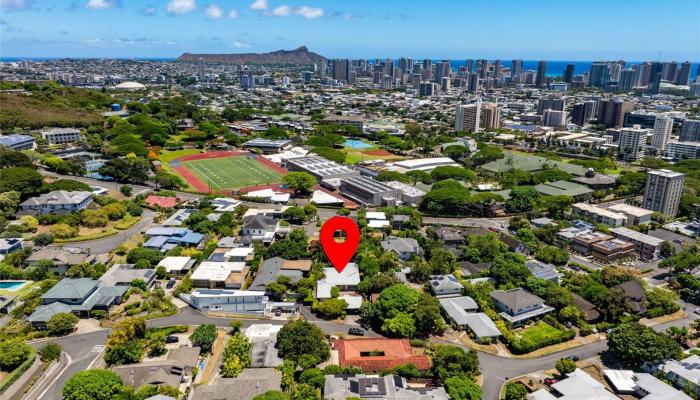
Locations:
(232, 172)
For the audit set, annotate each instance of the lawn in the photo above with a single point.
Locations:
(232, 172)
(541, 332)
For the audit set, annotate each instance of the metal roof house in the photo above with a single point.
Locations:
(463, 313)
(56, 202)
(518, 305)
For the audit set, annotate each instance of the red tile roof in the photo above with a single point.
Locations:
(396, 352)
(163, 201)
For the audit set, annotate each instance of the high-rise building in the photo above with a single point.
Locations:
(445, 84)
(600, 74)
(668, 71)
(683, 75)
(553, 118)
(473, 84)
(549, 104)
(477, 116)
(442, 70)
(341, 69)
(322, 69)
(628, 79)
(428, 89)
(200, 69)
(690, 130)
(631, 144)
(482, 68)
(416, 79)
(470, 65)
(516, 67)
(540, 79)
(498, 70)
(611, 112)
(644, 74)
(403, 65)
(663, 125)
(583, 112)
(663, 191)
(569, 73)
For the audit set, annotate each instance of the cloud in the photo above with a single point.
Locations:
(282, 11)
(233, 13)
(309, 12)
(240, 45)
(100, 4)
(258, 5)
(181, 7)
(13, 4)
(149, 11)
(214, 11)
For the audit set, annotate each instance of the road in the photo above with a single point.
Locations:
(106, 245)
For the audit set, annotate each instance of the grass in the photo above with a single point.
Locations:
(90, 236)
(21, 292)
(354, 156)
(165, 156)
(538, 333)
(127, 222)
(232, 172)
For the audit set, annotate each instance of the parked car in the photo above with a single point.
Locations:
(170, 284)
(172, 339)
(356, 331)
(550, 381)
(573, 358)
(697, 311)
(278, 313)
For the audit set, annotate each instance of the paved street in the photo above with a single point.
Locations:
(106, 245)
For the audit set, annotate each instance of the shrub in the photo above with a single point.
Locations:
(50, 352)
(43, 239)
(94, 218)
(63, 231)
(126, 190)
(62, 324)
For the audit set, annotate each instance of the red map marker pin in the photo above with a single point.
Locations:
(340, 253)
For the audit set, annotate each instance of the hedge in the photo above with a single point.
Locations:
(14, 375)
(107, 233)
(517, 346)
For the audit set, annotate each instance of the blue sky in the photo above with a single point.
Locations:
(545, 29)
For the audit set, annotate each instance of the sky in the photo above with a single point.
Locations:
(632, 30)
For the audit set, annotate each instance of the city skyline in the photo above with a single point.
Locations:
(124, 29)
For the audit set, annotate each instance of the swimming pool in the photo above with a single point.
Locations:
(357, 144)
(12, 285)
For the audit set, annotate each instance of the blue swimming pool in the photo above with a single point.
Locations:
(357, 144)
(11, 285)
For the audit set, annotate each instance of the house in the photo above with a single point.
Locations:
(647, 246)
(275, 267)
(588, 309)
(377, 220)
(124, 274)
(346, 280)
(268, 146)
(250, 383)
(684, 373)
(445, 285)
(240, 254)
(62, 257)
(7, 303)
(513, 244)
(264, 353)
(177, 368)
(634, 293)
(61, 135)
(645, 386)
(179, 217)
(470, 268)
(577, 386)
(219, 274)
(404, 248)
(259, 228)
(56, 202)
(518, 305)
(463, 313)
(399, 221)
(165, 238)
(9, 245)
(225, 300)
(450, 236)
(224, 204)
(162, 201)
(388, 387)
(543, 270)
(79, 296)
(177, 265)
(17, 142)
(375, 355)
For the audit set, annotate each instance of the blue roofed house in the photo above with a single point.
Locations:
(166, 238)
(544, 271)
(17, 142)
(79, 296)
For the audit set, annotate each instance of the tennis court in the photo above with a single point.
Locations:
(231, 172)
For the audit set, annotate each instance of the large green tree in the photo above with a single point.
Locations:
(635, 345)
(301, 338)
(454, 362)
(93, 384)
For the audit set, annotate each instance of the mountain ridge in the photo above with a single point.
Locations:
(300, 55)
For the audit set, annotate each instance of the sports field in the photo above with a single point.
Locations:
(231, 172)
